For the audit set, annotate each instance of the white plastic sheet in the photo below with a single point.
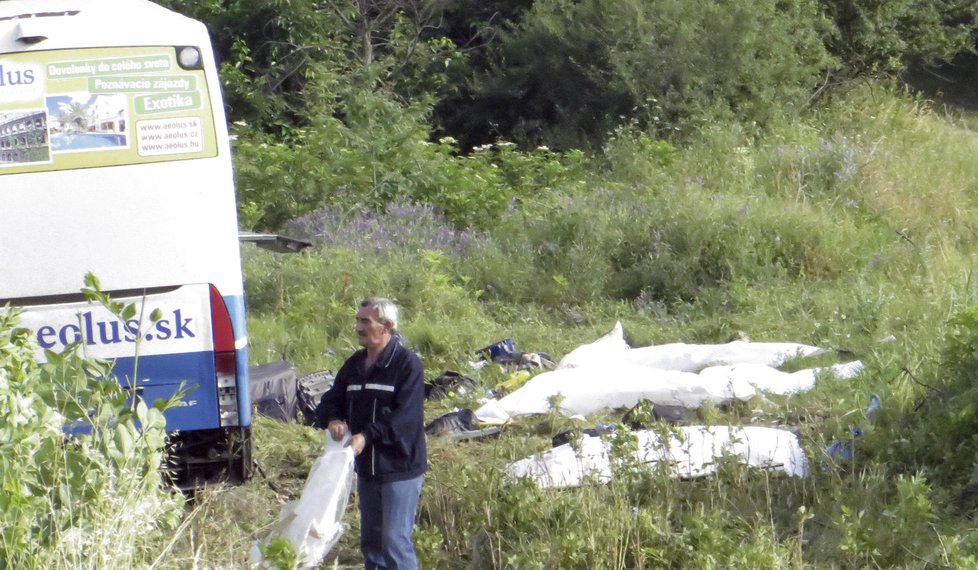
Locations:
(603, 375)
(686, 452)
(491, 413)
(313, 523)
(588, 390)
(682, 356)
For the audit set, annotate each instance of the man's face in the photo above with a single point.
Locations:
(371, 333)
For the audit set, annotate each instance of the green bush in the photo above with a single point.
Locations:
(942, 442)
(571, 72)
(884, 36)
(92, 500)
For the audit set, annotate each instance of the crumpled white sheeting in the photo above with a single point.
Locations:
(490, 412)
(682, 356)
(588, 390)
(608, 374)
(312, 524)
(688, 451)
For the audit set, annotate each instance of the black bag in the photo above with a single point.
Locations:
(449, 384)
(273, 390)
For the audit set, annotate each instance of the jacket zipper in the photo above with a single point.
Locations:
(373, 448)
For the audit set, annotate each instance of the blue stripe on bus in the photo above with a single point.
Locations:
(162, 376)
(236, 310)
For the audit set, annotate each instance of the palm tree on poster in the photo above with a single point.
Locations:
(74, 117)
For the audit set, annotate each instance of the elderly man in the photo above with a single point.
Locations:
(378, 398)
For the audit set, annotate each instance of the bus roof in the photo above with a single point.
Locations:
(55, 24)
(21, 9)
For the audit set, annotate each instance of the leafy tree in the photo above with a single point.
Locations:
(574, 69)
(884, 36)
(285, 62)
(75, 117)
(360, 102)
(329, 101)
(566, 72)
(272, 54)
(373, 22)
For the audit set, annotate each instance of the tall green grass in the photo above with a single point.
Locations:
(95, 499)
(851, 230)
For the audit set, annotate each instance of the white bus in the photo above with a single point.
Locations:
(115, 160)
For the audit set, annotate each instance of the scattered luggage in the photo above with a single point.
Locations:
(279, 393)
(572, 435)
(497, 350)
(273, 390)
(310, 389)
(636, 418)
(449, 384)
(459, 425)
(505, 354)
(844, 450)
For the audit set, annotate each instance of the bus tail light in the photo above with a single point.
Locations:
(224, 361)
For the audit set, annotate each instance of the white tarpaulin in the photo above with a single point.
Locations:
(688, 451)
(312, 524)
(600, 375)
(588, 390)
(682, 356)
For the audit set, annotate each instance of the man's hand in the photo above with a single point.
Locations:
(337, 429)
(357, 443)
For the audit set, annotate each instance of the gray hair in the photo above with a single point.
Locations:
(386, 309)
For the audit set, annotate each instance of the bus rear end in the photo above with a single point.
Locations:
(115, 161)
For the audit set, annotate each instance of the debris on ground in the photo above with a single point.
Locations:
(278, 393)
(505, 354)
(572, 435)
(607, 373)
(459, 424)
(662, 386)
(449, 384)
(639, 415)
(311, 388)
(513, 382)
(842, 450)
(273, 390)
(684, 452)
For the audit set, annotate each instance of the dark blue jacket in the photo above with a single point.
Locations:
(386, 405)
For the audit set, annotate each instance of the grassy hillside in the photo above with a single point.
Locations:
(852, 229)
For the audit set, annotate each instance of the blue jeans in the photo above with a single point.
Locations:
(387, 513)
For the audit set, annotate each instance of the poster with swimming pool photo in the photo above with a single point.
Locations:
(81, 122)
(104, 106)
